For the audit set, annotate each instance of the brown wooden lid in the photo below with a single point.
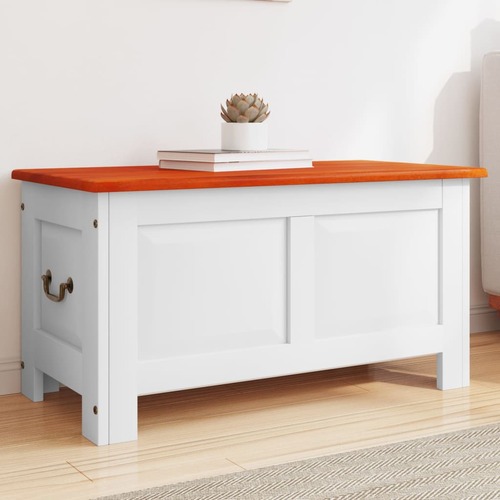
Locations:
(148, 178)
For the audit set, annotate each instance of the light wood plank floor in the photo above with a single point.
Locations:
(211, 431)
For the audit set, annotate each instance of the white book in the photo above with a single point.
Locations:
(234, 166)
(223, 156)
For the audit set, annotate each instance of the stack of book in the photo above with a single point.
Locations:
(217, 160)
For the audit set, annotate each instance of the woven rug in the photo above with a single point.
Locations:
(457, 465)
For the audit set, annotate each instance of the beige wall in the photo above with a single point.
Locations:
(108, 82)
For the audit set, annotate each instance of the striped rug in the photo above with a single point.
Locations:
(458, 465)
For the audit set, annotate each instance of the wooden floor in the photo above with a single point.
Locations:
(224, 429)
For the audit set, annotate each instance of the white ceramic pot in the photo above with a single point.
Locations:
(244, 136)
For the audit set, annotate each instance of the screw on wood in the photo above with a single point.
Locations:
(96, 223)
(95, 410)
(22, 365)
(22, 206)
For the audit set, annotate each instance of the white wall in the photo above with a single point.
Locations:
(108, 82)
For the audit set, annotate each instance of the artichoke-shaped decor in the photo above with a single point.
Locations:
(245, 108)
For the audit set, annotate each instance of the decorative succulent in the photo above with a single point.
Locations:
(243, 108)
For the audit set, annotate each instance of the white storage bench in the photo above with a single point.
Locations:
(189, 279)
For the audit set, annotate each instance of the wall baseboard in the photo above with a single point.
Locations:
(10, 376)
(482, 319)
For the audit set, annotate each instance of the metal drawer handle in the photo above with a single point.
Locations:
(47, 278)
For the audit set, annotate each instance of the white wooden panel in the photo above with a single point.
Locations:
(31, 377)
(301, 281)
(199, 205)
(453, 362)
(123, 305)
(58, 359)
(61, 253)
(185, 372)
(94, 319)
(211, 287)
(58, 233)
(376, 271)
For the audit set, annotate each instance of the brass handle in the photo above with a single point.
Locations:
(47, 278)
